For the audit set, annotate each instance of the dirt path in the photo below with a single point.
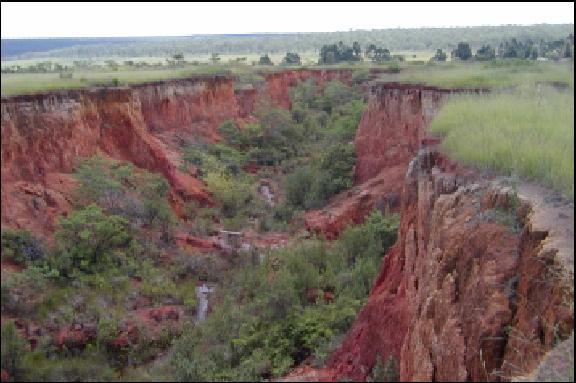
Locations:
(553, 214)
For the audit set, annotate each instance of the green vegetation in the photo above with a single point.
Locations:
(440, 56)
(265, 60)
(312, 186)
(292, 58)
(335, 53)
(308, 151)
(48, 75)
(21, 247)
(493, 74)
(396, 39)
(105, 259)
(88, 240)
(119, 188)
(530, 134)
(13, 351)
(278, 312)
(462, 51)
(385, 372)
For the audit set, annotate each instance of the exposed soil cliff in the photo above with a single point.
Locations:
(392, 129)
(479, 284)
(44, 135)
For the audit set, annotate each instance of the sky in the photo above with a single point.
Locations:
(21, 20)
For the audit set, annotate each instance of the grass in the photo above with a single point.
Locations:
(494, 74)
(24, 83)
(529, 133)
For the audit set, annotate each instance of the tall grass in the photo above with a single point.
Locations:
(529, 133)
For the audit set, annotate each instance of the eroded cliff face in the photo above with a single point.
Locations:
(44, 135)
(392, 129)
(278, 84)
(479, 284)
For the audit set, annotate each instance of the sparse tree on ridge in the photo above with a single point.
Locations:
(265, 60)
(440, 56)
(463, 51)
(291, 59)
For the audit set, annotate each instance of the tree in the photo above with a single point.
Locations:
(485, 53)
(370, 50)
(440, 56)
(335, 53)
(112, 64)
(357, 49)
(265, 60)
(291, 59)
(87, 241)
(463, 51)
(381, 55)
(178, 58)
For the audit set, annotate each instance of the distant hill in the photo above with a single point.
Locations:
(16, 47)
(394, 39)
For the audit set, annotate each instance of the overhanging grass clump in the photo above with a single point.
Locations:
(529, 134)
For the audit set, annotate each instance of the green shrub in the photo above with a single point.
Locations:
(232, 193)
(385, 372)
(87, 241)
(204, 222)
(91, 366)
(230, 132)
(13, 351)
(335, 93)
(312, 186)
(20, 246)
(298, 185)
(120, 189)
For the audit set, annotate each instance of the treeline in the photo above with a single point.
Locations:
(553, 50)
(393, 39)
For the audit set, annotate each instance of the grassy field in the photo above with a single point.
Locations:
(529, 133)
(22, 83)
(307, 57)
(490, 74)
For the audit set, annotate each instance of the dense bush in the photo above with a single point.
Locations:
(13, 352)
(230, 132)
(120, 189)
(291, 58)
(21, 246)
(313, 185)
(88, 242)
(233, 194)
